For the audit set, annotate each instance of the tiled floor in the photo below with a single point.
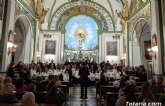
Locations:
(75, 99)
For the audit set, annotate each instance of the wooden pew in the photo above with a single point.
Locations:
(66, 83)
(105, 89)
(111, 84)
(68, 86)
(64, 88)
(111, 97)
(26, 104)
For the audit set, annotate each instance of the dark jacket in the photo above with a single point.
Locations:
(10, 98)
(52, 65)
(83, 73)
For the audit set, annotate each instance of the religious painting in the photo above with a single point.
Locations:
(11, 36)
(50, 47)
(154, 40)
(111, 48)
(81, 33)
(149, 64)
(147, 44)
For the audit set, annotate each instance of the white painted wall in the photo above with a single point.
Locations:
(56, 57)
(23, 41)
(18, 40)
(136, 51)
(136, 55)
(9, 26)
(27, 46)
(107, 37)
(157, 64)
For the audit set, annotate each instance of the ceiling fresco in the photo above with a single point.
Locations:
(83, 10)
(59, 11)
(81, 33)
(89, 8)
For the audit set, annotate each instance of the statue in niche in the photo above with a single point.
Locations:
(41, 12)
(123, 15)
(32, 3)
(80, 56)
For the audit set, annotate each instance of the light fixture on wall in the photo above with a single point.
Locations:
(116, 36)
(152, 51)
(11, 49)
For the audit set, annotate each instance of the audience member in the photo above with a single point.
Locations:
(29, 97)
(147, 94)
(55, 96)
(20, 86)
(8, 94)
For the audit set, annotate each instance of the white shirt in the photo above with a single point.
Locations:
(92, 76)
(77, 74)
(111, 74)
(97, 75)
(118, 75)
(66, 77)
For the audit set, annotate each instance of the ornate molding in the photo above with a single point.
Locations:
(81, 4)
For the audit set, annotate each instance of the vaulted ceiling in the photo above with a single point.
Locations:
(114, 9)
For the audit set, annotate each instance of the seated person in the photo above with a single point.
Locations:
(7, 80)
(103, 80)
(159, 82)
(146, 94)
(8, 94)
(56, 81)
(116, 85)
(66, 76)
(129, 91)
(20, 86)
(122, 82)
(39, 85)
(161, 99)
(55, 96)
(127, 94)
(29, 97)
(154, 87)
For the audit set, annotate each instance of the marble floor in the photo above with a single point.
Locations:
(75, 100)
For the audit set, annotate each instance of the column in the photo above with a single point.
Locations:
(36, 35)
(8, 24)
(62, 47)
(155, 29)
(100, 51)
(127, 44)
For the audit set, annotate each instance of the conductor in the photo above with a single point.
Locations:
(83, 73)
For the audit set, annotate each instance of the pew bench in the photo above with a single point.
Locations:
(68, 86)
(26, 104)
(105, 89)
(111, 97)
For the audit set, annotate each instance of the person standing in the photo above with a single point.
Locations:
(52, 65)
(83, 73)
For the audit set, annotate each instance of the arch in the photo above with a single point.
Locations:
(23, 37)
(82, 5)
(140, 43)
(142, 18)
(22, 15)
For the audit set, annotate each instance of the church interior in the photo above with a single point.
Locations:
(82, 52)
